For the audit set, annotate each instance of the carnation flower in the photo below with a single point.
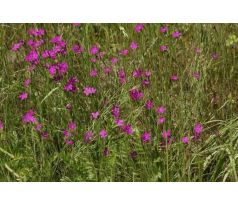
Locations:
(139, 27)
(103, 133)
(89, 91)
(23, 96)
(29, 117)
(136, 94)
(145, 137)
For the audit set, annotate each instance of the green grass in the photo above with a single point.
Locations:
(211, 100)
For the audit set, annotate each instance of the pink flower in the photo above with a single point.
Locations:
(115, 111)
(176, 34)
(69, 142)
(119, 122)
(160, 110)
(127, 129)
(89, 91)
(163, 48)
(136, 94)
(107, 70)
(163, 29)
(122, 76)
(36, 32)
(27, 82)
(67, 134)
(147, 73)
(29, 117)
(93, 73)
(94, 115)
(17, 46)
(1, 125)
(174, 78)
(38, 127)
(72, 126)
(196, 75)
(161, 120)
(166, 134)
(133, 45)
(23, 96)
(114, 60)
(197, 130)
(137, 73)
(139, 27)
(124, 52)
(103, 133)
(93, 50)
(149, 104)
(77, 49)
(45, 135)
(145, 137)
(88, 136)
(185, 139)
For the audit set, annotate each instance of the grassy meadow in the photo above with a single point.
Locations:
(119, 102)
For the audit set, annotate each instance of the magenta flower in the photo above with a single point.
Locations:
(89, 91)
(166, 134)
(163, 48)
(161, 120)
(107, 70)
(137, 73)
(136, 94)
(160, 110)
(38, 127)
(145, 137)
(71, 85)
(1, 125)
(145, 82)
(115, 111)
(93, 73)
(36, 32)
(69, 142)
(114, 60)
(29, 117)
(149, 104)
(174, 78)
(197, 130)
(32, 57)
(23, 96)
(122, 76)
(185, 139)
(94, 115)
(103, 133)
(139, 27)
(127, 129)
(27, 82)
(124, 52)
(17, 46)
(88, 136)
(94, 50)
(196, 75)
(67, 134)
(45, 135)
(163, 29)
(176, 34)
(133, 45)
(147, 73)
(77, 49)
(72, 126)
(119, 122)
(35, 44)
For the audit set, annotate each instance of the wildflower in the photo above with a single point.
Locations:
(103, 133)
(38, 127)
(161, 120)
(32, 57)
(137, 73)
(77, 49)
(166, 134)
(17, 46)
(127, 129)
(93, 73)
(163, 48)
(133, 154)
(36, 32)
(94, 115)
(119, 122)
(145, 82)
(93, 50)
(89, 91)
(88, 136)
(133, 45)
(122, 76)
(185, 139)
(1, 125)
(136, 94)
(176, 34)
(27, 82)
(23, 96)
(147, 73)
(197, 130)
(69, 142)
(115, 111)
(139, 27)
(107, 70)
(71, 85)
(114, 60)
(196, 75)
(72, 126)
(149, 104)
(124, 52)
(145, 137)
(45, 135)
(160, 110)
(106, 152)
(29, 117)
(67, 134)
(163, 29)
(174, 78)
(35, 44)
